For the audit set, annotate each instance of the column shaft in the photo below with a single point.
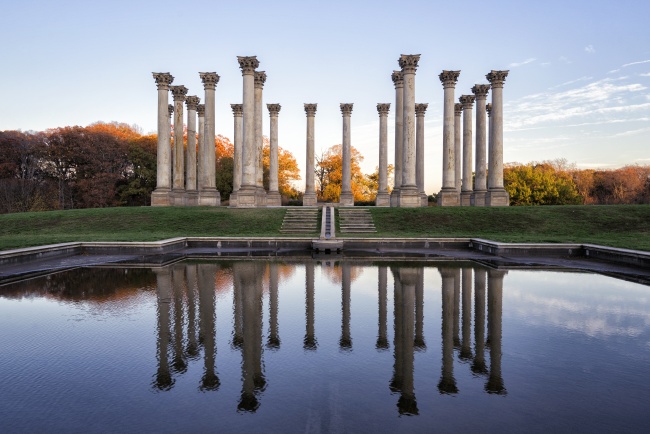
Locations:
(200, 162)
(383, 199)
(458, 148)
(448, 195)
(191, 196)
(260, 79)
(160, 197)
(408, 194)
(179, 93)
(237, 111)
(208, 194)
(467, 102)
(420, 109)
(246, 197)
(346, 198)
(273, 197)
(398, 81)
(480, 177)
(497, 195)
(309, 198)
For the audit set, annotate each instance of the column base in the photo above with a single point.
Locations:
(232, 200)
(346, 199)
(478, 198)
(209, 197)
(382, 199)
(260, 197)
(247, 197)
(273, 198)
(498, 197)
(191, 198)
(424, 199)
(309, 199)
(448, 197)
(394, 197)
(466, 198)
(177, 197)
(160, 197)
(409, 197)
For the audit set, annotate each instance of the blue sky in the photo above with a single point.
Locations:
(579, 83)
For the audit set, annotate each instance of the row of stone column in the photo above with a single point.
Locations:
(185, 177)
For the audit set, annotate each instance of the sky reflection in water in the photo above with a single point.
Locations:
(321, 347)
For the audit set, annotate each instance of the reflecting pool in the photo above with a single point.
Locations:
(263, 346)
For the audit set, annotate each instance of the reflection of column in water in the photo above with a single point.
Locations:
(398, 342)
(466, 343)
(409, 278)
(310, 342)
(249, 276)
(206, 281)
(456, 307)
(419, 342)
(192, 350)
(478, 365)
(179, 363)
(346, 340)
(447, 382)
(495, 317)
(237, 336)
(274, 338)
(382, 339)
(163, 379)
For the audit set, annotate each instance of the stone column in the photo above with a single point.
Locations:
(383, 198)
(160, 196)
(260, 79)
(237, 112)
(466, 191)
(200, 166)
(458, 148)
(191, 194)
(448, 195)
(273, 197)
(208, 194)
(309, 198)
(496, 195)
(480, 91)
(420, 109)
(346, 198)
(246, 196)
(178, 188)
(408, 192)
(398, 81)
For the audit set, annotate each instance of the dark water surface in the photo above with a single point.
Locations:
(324, 347)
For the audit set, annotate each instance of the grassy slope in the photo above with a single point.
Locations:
(620, 226)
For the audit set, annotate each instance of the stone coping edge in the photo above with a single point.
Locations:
(610, 254)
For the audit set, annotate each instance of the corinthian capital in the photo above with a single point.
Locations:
(383, 109)
(458, 109)
(346, 109)
(209, 79)
(192, 102)
(179, 92)
(488, 108)
(481, 90)
(274, 109)
(260, 79)
(420, 109)
(398, 78)
(310, 109)
(248, 64)
(170, 110)
(497, 78)
(449, 78)
(200, 110)
(163, 80)
(467, 101)
(237, 109)
(409, 62)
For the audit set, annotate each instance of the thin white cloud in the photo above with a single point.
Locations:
(613, 71)
(632, 133)
(645, 74)
(564, 59)
(590, 49)
(571, 82)
(635, 63)
(525, 62)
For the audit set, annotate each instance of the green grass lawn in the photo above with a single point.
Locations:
(617, 225)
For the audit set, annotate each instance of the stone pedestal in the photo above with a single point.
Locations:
(420, 109)
(467, 102)
(246, 196)
(409, 195)
(398, 81)
(480, 91)
(346, 198)
(496, 195)
(160, 196)
(448, 195)
(383, 198)
(260, 193)
(273, 197)
(208, 194)
(309, 198)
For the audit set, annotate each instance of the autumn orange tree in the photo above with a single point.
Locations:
(288, 170)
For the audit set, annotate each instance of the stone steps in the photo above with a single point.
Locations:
(300, 221)
(356, 221)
